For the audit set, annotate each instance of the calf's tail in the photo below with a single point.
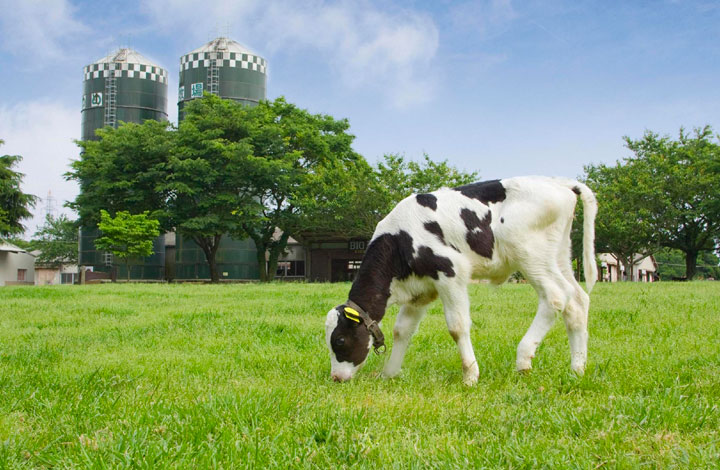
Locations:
(590, 209)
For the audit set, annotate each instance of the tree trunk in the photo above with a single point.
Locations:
(630, 268)
(627, 266)
(690, 264)
(578, 269)
(210, 247)
(127, 269)
(275, 250)
(262, 265)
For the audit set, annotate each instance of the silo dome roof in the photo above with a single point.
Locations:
(125, 63)
(227, 53)
(125, 55)
(223, 44)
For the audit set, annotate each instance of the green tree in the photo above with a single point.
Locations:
(345, 201)
(124, 170)
(206, 178)
(681, 179)
(400, 178)
(57, 241)
(264, 172)
(671, 264)
(295, 154)
(14, 204)
(127, 236)
(624, 226)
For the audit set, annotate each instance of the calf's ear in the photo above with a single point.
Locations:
(351, 314)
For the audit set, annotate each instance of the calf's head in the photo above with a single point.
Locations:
(349, 335)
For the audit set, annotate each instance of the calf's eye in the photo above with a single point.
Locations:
(339, 342)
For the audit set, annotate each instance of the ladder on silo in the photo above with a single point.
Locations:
(111, 99)
(213, 75)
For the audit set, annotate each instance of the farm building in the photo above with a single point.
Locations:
(17, 266)
(612, 270)
(333, 258)
(46, 275)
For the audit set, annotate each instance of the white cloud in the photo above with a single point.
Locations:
(38, 30)
(42, 133)
(390, 53)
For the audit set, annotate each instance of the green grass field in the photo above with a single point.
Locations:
(235, 376)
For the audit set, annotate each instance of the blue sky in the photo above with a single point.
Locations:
(501, 87)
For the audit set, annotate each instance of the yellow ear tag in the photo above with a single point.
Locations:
(352, 314)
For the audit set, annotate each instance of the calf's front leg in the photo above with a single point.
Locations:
(406, 325)
(457, 316)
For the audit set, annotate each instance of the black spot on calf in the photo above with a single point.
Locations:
(485, 191)
(427, 200)
(427, 263)
(435, 229)
(479, 235)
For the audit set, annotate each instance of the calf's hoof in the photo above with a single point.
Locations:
(471, 374)
(523, 364)
(390, 373)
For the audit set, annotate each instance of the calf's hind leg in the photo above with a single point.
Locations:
(551, 298)
(576, 325)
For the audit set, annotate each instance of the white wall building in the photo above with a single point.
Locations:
(49, 275)
(17, 266)
(613, 270)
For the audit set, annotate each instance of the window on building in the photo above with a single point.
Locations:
(67, 278)
(21, 274)
(290, 269)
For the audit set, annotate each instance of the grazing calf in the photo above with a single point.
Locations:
(431, 245)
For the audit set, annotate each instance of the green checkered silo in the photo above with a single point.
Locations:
(230, 70)
(225, 68)
(122, 87)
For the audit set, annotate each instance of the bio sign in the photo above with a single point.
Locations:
(357, 246)
(196, 90)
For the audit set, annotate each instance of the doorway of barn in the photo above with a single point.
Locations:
(344, 270)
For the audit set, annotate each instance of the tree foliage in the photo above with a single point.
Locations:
(685, 177)
(57, 241)
(127, 236)
(665, 195)
(671, 264)
(624, 225)
(14, 204)
(124, 170)
(400, 178)
(295, 156)
(266, 172)
(206, 172)
(356, 198)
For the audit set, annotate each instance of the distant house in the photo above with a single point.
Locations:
(612, 270)
(17, 266)
(53, 275)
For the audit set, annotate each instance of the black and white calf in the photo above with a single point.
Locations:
(432, 244)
